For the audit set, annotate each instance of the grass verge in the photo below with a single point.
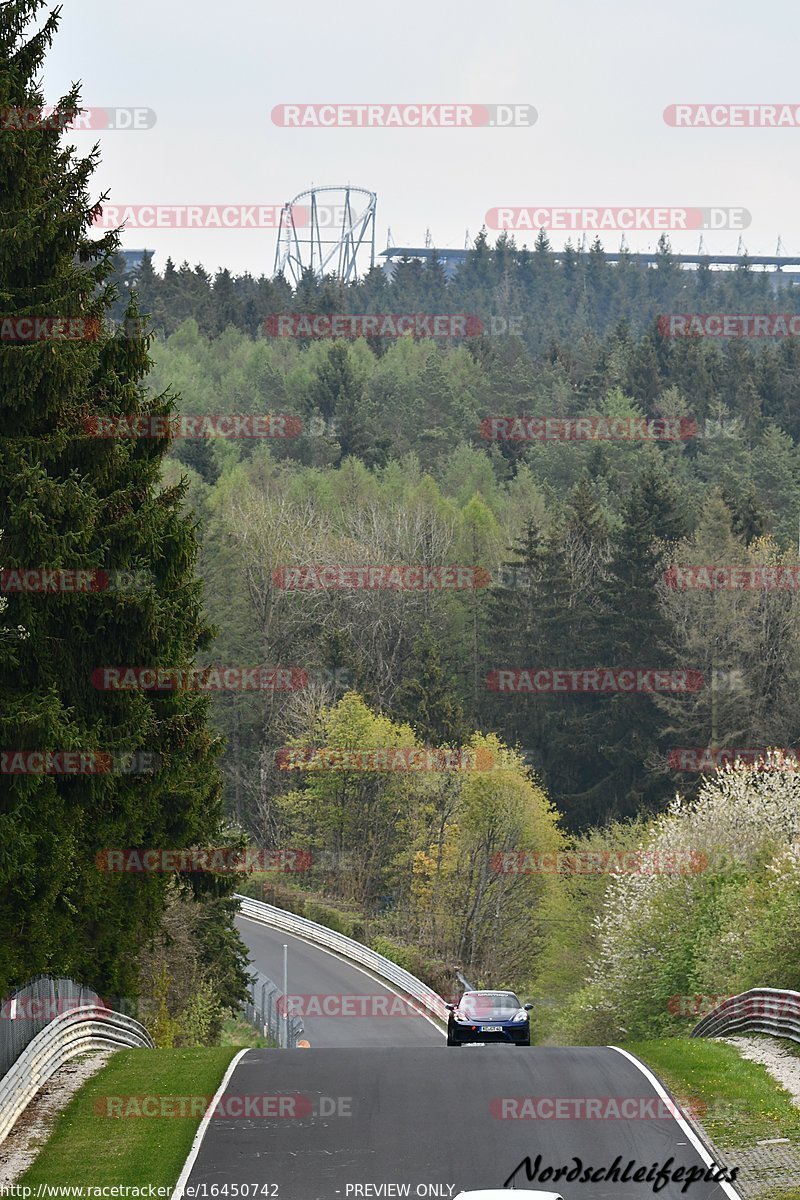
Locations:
(237, 1032)
(737, 1102)
(90, 1149)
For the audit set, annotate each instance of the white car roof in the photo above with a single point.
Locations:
(500, 1194)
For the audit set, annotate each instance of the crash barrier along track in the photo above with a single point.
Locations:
(761, 1010)
(429, 1001)
(263, 1009)
(29, 1008)
(85, 1028)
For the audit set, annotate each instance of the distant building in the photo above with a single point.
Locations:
(774, 265)
(451, 260)
(784, 279)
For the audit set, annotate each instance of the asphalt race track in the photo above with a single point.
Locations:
(424, 1116)
(387, 1103)
(312, 972)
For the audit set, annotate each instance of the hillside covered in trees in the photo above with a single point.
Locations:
(392, 465)
(415, 788)
(389, 462)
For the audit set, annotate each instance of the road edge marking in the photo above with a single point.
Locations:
(701, 1149)
(194, 1149)
(356, 967)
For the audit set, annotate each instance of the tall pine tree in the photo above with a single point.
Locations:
(71, 500)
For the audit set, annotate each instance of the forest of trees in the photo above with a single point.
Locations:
(578, 539)
(571, 547)
(550, 300)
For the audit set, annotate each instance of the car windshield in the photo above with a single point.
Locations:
(483, 1004)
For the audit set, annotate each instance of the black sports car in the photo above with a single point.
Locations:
(489, 1017)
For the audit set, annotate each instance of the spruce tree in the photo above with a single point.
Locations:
(72, 500)
(427, 699)
(572, 629)
(628, 733)
(512, 639)
(338, 394)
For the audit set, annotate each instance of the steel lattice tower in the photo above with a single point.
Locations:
(328, 237)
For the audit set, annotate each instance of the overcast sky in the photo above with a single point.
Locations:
(598, 75)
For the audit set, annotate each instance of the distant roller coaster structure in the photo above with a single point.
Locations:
(329, 236)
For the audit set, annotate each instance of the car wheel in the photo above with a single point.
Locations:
(450, 1041)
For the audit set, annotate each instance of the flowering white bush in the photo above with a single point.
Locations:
(662, 935)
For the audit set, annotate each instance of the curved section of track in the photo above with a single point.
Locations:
(333, 984)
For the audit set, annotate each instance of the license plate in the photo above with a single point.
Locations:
(492, 1028)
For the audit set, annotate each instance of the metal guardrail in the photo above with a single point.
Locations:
(32, 1006)
(264, 1010)
(761, 1010)
(431, 1002)
(84, 1028)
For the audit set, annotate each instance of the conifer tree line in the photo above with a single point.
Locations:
(75, 502)
(573, 541)
(549, 295)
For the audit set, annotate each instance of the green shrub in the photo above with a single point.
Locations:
(396, 953)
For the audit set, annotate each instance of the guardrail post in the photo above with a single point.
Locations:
(285, 997)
